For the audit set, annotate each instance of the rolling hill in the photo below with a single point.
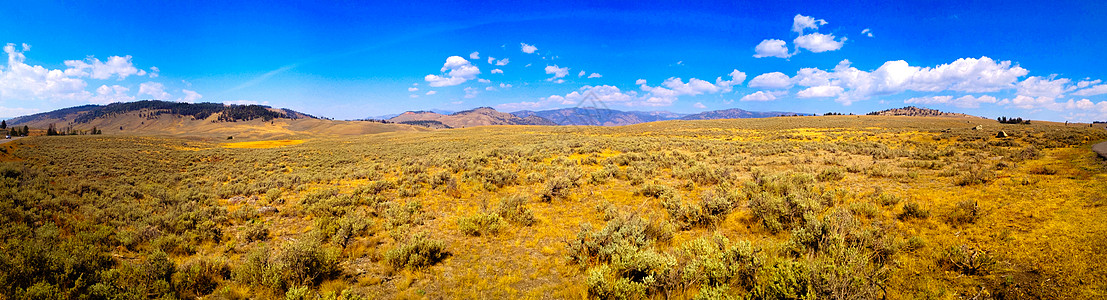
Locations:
(913, 111)
(213, 120)
(481, 116)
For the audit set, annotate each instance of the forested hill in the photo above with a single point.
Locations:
(152, 108)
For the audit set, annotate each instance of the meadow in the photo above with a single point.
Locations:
(840, 207)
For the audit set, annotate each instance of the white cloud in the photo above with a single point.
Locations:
(774, 80)
(581, 74)
(1036, 86)
(824, 91)
(594, 75)
(966, 101)
(1086, 83)
(474, 55)
(460, 71)
(471, 92)
(502, 62)
(482, 80)
(190, 96)
(801, 22)
(92, 67)
(412, 89)
(818, 42)
(763, 96)
(1092, 91)
(771, 48)
(414, 96)
(153, 89)
(497, 71)
(431, 93)
(528, 48)
(699, 105)
(9, 112)
(867, 32)
(605, 93)
(557, 72)
(675, 87)
(154, 72)
(491, 88)
(19, 81)
(112, 94)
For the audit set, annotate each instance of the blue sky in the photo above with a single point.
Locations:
(1032, 59)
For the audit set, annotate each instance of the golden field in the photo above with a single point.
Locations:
(842, 207)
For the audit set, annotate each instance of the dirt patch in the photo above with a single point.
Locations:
(263, 144)
(1100, 148)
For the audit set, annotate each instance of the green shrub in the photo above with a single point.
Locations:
(480, 224)
(715, 261)
(557, 188)
(912, 210)
(968, 261)
(864, 209)
(418, 252)
(965, 212)
(514, 210)
(831, 174)
(974, 177)
(199, 278)
(255, 231)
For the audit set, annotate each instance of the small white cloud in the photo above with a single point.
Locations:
(112, 94)
(504, 85)
(801, 22)
(154, 72)
(190, 96)
(92, 67)
(763, 96)
(431, 93)
(867, 32)
(412, 89)
(502, 62)
(699, 105)
(497, 71)
(527, 66)
(474, 55)
(528, 48)
(414, 96)
(1087, 82)
(490, 89)
(471, 92)
(557, 72)
(595, 75)
(581, 74)
(771, 48)
(460, 71)
(774, 80)
(824, 91)
(818, 42)
(153, 89)
(482, 80)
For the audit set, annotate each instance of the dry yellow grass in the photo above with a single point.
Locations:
(263, 144)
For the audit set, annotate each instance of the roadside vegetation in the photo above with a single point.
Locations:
(858, 207)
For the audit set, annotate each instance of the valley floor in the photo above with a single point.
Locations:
(858, 207)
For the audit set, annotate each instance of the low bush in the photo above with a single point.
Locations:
(831, 174)
(557, 188)
(912, 210)
(514, 209)
(968, 261)
(965, 212)
(418, 252)
(480, 224)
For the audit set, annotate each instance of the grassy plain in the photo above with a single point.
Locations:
(856, 207)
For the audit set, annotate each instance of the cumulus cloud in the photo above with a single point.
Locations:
(699, 105)
(581, 74)
(497, 71)
(774, 80)
(966, 101)
(557, 73)
(92, 67)
(867, 32)
(771, 48)
(1087, 82)
(675, 87)
(412, 89)
(474, 55)
(460, 71)
(154, 72)
(112, 94)
(818, 42)
(823, 91)
(801, 22)
(1092, 91)
(431, 93)
(493, 61)
(190, 96)
(594, 75)
(21, 81)
(504, 85)
(528, 48)
(482, 80)
(153, 89)
(763, 96)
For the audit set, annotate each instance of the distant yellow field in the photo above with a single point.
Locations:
(263, 144)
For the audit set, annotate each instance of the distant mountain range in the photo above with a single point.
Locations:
(481, 116)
